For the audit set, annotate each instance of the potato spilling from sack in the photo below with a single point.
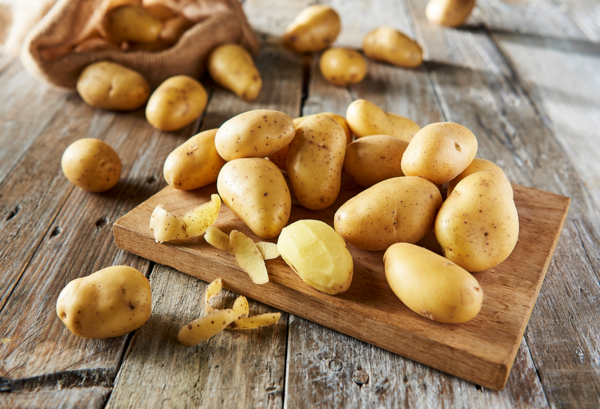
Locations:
(314, 29)
(131, 23)
(365, 118)
(232, 67)
(91, 165)
(390, 45)
(449, 13)
(343, 66)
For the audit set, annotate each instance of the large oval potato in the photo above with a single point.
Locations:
(390, 45)
(372, 159)
(91, 165)
(396, 210)
(478, 224)
(131, 23)
(255, 190)
(173, 28)
(254, 134)
(439, 152)
(109, 303)
(313, 29)
(314, 161)
(478, 165)
(365, 119)
(177, 102)
(195, 163)
(449, 13)
(430, 285)
(111, 86)
(343, 66)
(232, 67)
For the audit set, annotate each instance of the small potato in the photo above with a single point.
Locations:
(477, 165)
(365, 119)
(131, 23)
(318, 255)
(396, 210)
(111, 86)
(254, 134)
(449, 13)
(314, 29)
(372, 159)
(439, 152)
(177, 102)
(343, 66)
(173, 28)
(232, 67)
(109, 303)
(390, 45)
(195, 163)
(91, 165)
(430, 285)
(314, 161)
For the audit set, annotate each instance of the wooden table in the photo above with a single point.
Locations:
(524, 76)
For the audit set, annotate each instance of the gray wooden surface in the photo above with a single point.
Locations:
(524, 76)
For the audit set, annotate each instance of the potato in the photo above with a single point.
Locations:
(232, 67)
(248, 257)
(173, 28)
(206, 327)
(91, 165)
(159, 10)
(365, 119)
(477, 165)
(111, 86)
(478, 224)
(109, 303)
(255, 190)
(218, 239)
(318, 255)
(131, 23)
(177, 102)
(372, 159)
(314, 29)
(449, 13)
(430, 285)
(314, 161)
(396, 210)
(343, 66)
(195, 163)
(390, 45)
(439, 152)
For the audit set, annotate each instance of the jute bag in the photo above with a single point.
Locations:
(47, 49)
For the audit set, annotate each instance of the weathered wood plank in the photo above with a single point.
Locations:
(88, 398)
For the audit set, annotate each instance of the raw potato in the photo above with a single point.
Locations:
(256, 191)
(372, 159)
(173, 29)
(158, 10)
(206, 327)
(365, 119)
(248, 257)
(318, 255)
(254, 134)
(343, 66)
(111, 86)
(91, 165)
(218, 239)
(478, 224)
(390, 45)
(449, 13)
(177, 102)
(430, 285)
(131, 23)
(439, 152)
(313, 29)
(213, 289)
(396, 210)
(256, 321)
(268, 250)
(109, 303)
(477, 165)
(314, 161)
(232, 67)
(195, 163)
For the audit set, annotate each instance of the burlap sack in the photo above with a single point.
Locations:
(46, 52)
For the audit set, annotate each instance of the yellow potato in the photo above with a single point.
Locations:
(195, 163)
(232, 67)
(177, 102)
(314, 29)
(218, 239)
(173, 28)
(449, 13)
(439, 152)
(372, 159)
(343, 66)
(318, 255)
(131, 23)
(396, 210)
(365, 119)
(478, 224)
(248, 257)
(91, 165)
(109, 303)
(314, 161)
(255, 190)
(477, 165)
(254, 134)
(206, 327)
(111, 86)
(159, 10)
(390, 45)
(256, 321)
(430, 285)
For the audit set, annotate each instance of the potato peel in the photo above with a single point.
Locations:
(217, 238)
(256, 321)
(249, 257)
(166, 226)
(268, 250)
(212, 290)
(206, 327)
(199, 219)
(241, 307)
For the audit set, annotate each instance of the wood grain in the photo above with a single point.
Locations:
(83, 398)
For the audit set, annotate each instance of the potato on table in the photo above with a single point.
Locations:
(478, 165)
(91, 165)
(449, 13)
(232, 67)
(343, 66)
(131, 23)
(390, 45)
(313, 29)
(365, 119)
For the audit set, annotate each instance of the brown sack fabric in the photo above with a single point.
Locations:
(47, 50)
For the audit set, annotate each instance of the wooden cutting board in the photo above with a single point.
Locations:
(481, 351)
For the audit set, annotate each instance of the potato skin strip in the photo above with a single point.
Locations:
(218, 239)
(212, 290)
(248, 257)
(241, 307)
(268, 250)
(256, 321)
(206, 327)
